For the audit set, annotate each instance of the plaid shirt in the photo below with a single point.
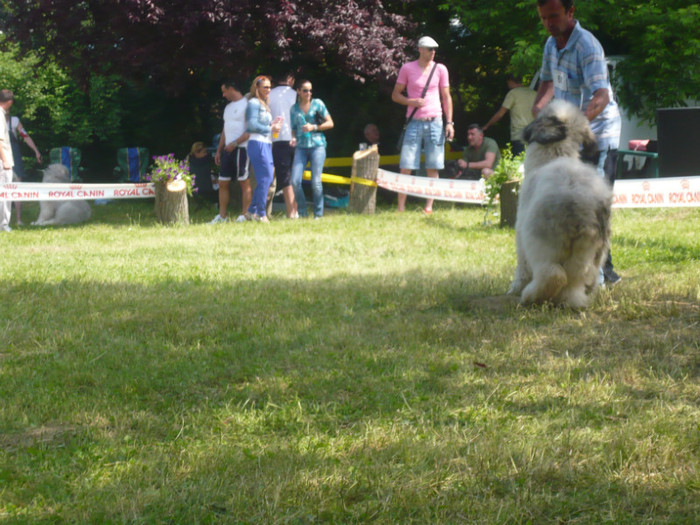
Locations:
(577, 71)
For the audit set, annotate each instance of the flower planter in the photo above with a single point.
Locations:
(171, 202)
(508, 198)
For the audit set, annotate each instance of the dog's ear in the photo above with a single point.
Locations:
(545, 130)
(590, 145)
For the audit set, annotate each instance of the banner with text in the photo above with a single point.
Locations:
(470, 191)
(39, 191)
(635, 193)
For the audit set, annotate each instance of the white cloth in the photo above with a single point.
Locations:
(282, 98)
(234, 121)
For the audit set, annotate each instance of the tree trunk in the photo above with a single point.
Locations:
(363, 189)
(171, 202)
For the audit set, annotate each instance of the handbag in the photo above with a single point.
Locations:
(399, 143)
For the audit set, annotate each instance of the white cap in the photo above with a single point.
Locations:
(426, 41)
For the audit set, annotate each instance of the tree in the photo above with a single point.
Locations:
(659, 38)
(166, 41)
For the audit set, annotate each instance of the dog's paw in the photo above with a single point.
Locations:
(516, 287)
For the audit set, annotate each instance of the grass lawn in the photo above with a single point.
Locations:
(355, 369)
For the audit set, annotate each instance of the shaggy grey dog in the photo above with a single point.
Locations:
(563, 223)
(61, 212)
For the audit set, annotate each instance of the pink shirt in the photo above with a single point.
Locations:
(414, 77)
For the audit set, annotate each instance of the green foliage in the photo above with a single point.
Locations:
(660, 40)
(662, 68)
(509, 169)
(53, 107)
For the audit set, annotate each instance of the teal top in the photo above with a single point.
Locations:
(297, 119)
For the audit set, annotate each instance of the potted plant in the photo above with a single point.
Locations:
(173, 183)
(505, 183)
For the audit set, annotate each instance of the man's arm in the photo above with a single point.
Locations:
(489, 159)
(398, 97)
(220, 147)
(3, 160)
(496, 117)
(447, 108)
(545, 93)
(601, 98)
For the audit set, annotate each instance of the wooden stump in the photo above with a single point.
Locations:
(363, 188)
(508, 197)
(171, 202)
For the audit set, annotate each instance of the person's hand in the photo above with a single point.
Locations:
(293, 142)
(486, 173)
(461, 163)
(217, 158)
(230, 147)
(449, 131)
(6, 166)
(416, 102)
(38, 157)
(308, 127)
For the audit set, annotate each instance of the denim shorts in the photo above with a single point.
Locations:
(425, 136)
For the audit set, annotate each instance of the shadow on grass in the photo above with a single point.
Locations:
(347, 398)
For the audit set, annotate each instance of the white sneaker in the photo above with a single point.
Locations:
(218, 219)
(241, 218)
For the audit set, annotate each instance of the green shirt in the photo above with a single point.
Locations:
(479, 154)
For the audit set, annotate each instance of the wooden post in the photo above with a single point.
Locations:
(171, 202)
(508, 198)
(363, 195)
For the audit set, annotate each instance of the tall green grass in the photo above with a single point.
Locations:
(350, 370)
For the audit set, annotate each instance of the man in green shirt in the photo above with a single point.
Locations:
(519, 102)
(480, 157)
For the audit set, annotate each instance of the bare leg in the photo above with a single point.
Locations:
(434, 175)
(402, 196)
(246, 195)
(290, 201)
(224, 197)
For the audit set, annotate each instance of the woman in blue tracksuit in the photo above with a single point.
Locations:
(259, 125)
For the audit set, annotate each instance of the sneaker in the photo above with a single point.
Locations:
(611, 277)
(241, 218)
(262, 219)
(219, 219)
(426, 211)
(249, 216)
(5, 229)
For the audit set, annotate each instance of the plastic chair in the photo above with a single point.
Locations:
(70, 158)
(132, 164)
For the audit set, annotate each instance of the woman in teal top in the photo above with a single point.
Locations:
(309, 118)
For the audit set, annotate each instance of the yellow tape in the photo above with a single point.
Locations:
(329, 178)
(364, 182)
(346, 162)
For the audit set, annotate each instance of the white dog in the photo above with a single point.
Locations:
(61, 212)
(563, 223)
